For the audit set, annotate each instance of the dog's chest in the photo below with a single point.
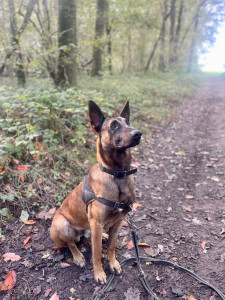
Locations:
(125, 190)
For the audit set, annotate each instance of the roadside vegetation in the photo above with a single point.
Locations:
(46, 144)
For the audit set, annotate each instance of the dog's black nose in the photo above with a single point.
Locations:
(136, 134)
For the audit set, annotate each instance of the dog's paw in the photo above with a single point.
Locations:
(79, 260)
(100, 277)
(115, 267)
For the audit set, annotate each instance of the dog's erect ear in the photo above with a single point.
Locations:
(95, 115)
(125, 113)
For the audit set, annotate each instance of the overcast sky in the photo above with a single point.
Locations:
(214, 59)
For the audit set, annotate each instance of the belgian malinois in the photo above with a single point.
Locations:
(104, 198)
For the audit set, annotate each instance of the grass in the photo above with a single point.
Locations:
(45, 142)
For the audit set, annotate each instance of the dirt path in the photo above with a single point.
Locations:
(180, 186)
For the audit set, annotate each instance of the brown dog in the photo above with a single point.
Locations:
(108, 192)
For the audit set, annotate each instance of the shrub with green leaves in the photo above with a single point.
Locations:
(45, 141)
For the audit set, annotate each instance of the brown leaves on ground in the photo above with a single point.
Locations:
(9, 282)
(54, 296)
(26, 240)
(46, 214)
(29, 222)
(130, 245)
(191, 298)
(11, 256)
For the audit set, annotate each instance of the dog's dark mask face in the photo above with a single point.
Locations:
(115, 133)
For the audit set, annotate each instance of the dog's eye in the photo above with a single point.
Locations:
(114, 125)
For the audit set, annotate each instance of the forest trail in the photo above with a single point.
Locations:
(180, 189)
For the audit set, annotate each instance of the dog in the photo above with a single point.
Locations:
(106, 194)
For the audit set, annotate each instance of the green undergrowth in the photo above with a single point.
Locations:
(45, 142)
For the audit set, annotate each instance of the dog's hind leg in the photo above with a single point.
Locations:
(63, 234)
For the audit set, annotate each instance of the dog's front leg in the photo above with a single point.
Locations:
(113, 262)
(96, 243)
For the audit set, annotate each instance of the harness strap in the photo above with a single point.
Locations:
(88, 195)
(120, 174)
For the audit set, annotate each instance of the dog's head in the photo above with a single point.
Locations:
(114, 132)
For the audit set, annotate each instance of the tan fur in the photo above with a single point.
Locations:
(72, 219)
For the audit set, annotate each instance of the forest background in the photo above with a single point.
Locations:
(57, 55)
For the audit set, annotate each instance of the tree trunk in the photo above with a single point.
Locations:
(108, 33)
(178, 29)
(19, 67)
(26, 19)
(172, 28)
(98, 44)
(162, 64)
(192, 61)
(157, 41)
(67, 43)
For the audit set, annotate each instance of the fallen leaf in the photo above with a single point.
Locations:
(27, 264)
(9, 282)
(144, 245)
(26, 240)
(191, 298)
(72, 290)
(23, 167)
(152, 252)
(65, 265)
(163, 292)
(125, 224)
(21, 177)
(16, 161)
(124, 241)
(47, 292)
(46, 214)
(11, 256)
(64, 176)
(54, 296)
(46, 255)
(135, 206)
(215, 179)
(130, 245)
(39, 181)
(29, 222)
(187, 208)
(203, 245)
(214, 159)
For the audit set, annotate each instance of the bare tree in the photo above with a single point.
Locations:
(161, 38)
(98, 43)
(67, 43)
(16, 34)
(172, 31)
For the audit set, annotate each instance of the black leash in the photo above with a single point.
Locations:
(138, 261)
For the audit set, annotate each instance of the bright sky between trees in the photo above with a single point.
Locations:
(214, 59)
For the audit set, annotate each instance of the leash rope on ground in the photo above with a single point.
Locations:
(138, 261)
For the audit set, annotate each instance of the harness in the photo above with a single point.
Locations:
(88, 194)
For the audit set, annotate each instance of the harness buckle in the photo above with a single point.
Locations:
(117, 205)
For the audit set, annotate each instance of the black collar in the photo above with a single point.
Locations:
(120, 174)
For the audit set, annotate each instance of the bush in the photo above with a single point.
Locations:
(45, 142)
